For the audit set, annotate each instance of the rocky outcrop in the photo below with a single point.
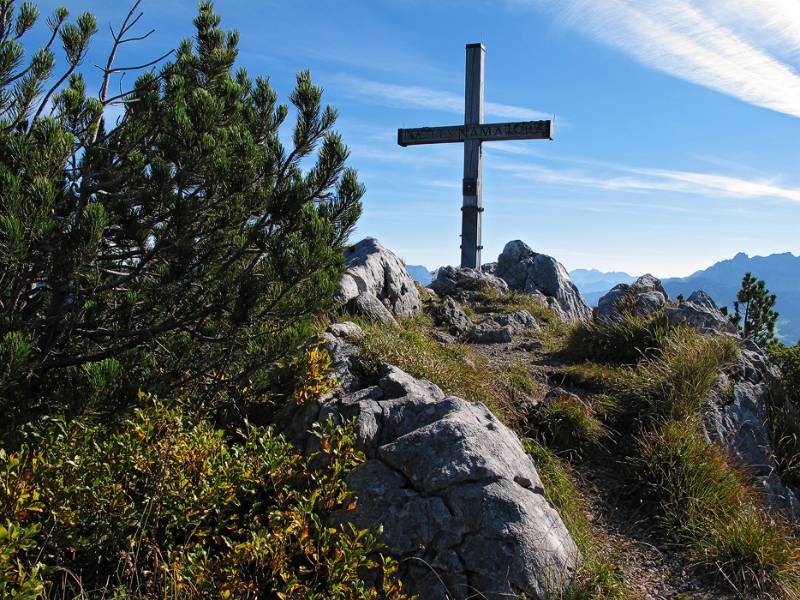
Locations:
(466, 284)
(450, 315)
(736, 416)
(701, 312)
(527, 271)
(736, 419)
(376, 276)
(641, 298)
(501, 329)
(457, 498)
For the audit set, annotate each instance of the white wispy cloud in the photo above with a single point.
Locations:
(634, 179)
(746, 49)
(403, 96)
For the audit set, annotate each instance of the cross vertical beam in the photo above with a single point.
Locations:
(472, 208)
(473, 133)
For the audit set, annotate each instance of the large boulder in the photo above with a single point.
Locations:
(451, 489)
(736, 419)
(641, 298)
(700, 311)
(374, 273)
(466, 283)
(527, 271)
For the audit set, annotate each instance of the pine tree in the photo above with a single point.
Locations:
(181, 246)
(753, 311)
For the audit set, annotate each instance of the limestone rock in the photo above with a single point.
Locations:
(347, 330)
(501, 329)
(451, 316)
(373, 270)
(641, 298)
(466, 283)
(700, 311)
(519, 322)
(736, 419)
(367, 304)
(527, 271)
(459, 501)
(490, 332)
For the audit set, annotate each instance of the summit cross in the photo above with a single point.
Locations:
(473, 133)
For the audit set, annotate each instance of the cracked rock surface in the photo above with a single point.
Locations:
(376, 284)
(459, 500)
(736, 418)
(533, 273)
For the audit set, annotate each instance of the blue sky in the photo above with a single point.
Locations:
(678, 121)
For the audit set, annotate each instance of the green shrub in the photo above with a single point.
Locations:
(706, 505)
(180, 239)
(600, 577)
(164, 505)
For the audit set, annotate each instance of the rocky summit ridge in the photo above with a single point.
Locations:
(449, 486)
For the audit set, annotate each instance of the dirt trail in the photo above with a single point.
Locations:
(652, 569)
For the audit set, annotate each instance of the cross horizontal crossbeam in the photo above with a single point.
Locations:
(484, 132)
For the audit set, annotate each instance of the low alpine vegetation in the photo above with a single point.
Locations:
(624, 340)
(455, 368)
(707, 505)
(162, 504)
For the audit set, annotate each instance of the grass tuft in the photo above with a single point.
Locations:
(571, 425)
(622, 341)
(707, 505)
(456, 368)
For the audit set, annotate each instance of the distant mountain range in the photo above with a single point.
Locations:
(721, 281)
(420, 274)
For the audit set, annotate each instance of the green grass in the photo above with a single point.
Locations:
(599, 577)
(672, 383)
(653, 381)
(491, 301)
(675, 383)
(706, 505)
(571, 425)
(623, 341)
(456, 368)
(784, 411)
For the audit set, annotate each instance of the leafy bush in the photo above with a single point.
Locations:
(180, 241)
(707, 505)
(164, 505)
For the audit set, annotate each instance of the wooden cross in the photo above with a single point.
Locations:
(473, 133)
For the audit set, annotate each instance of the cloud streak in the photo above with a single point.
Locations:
(633, 179)
(741, 49)
(402, 96)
